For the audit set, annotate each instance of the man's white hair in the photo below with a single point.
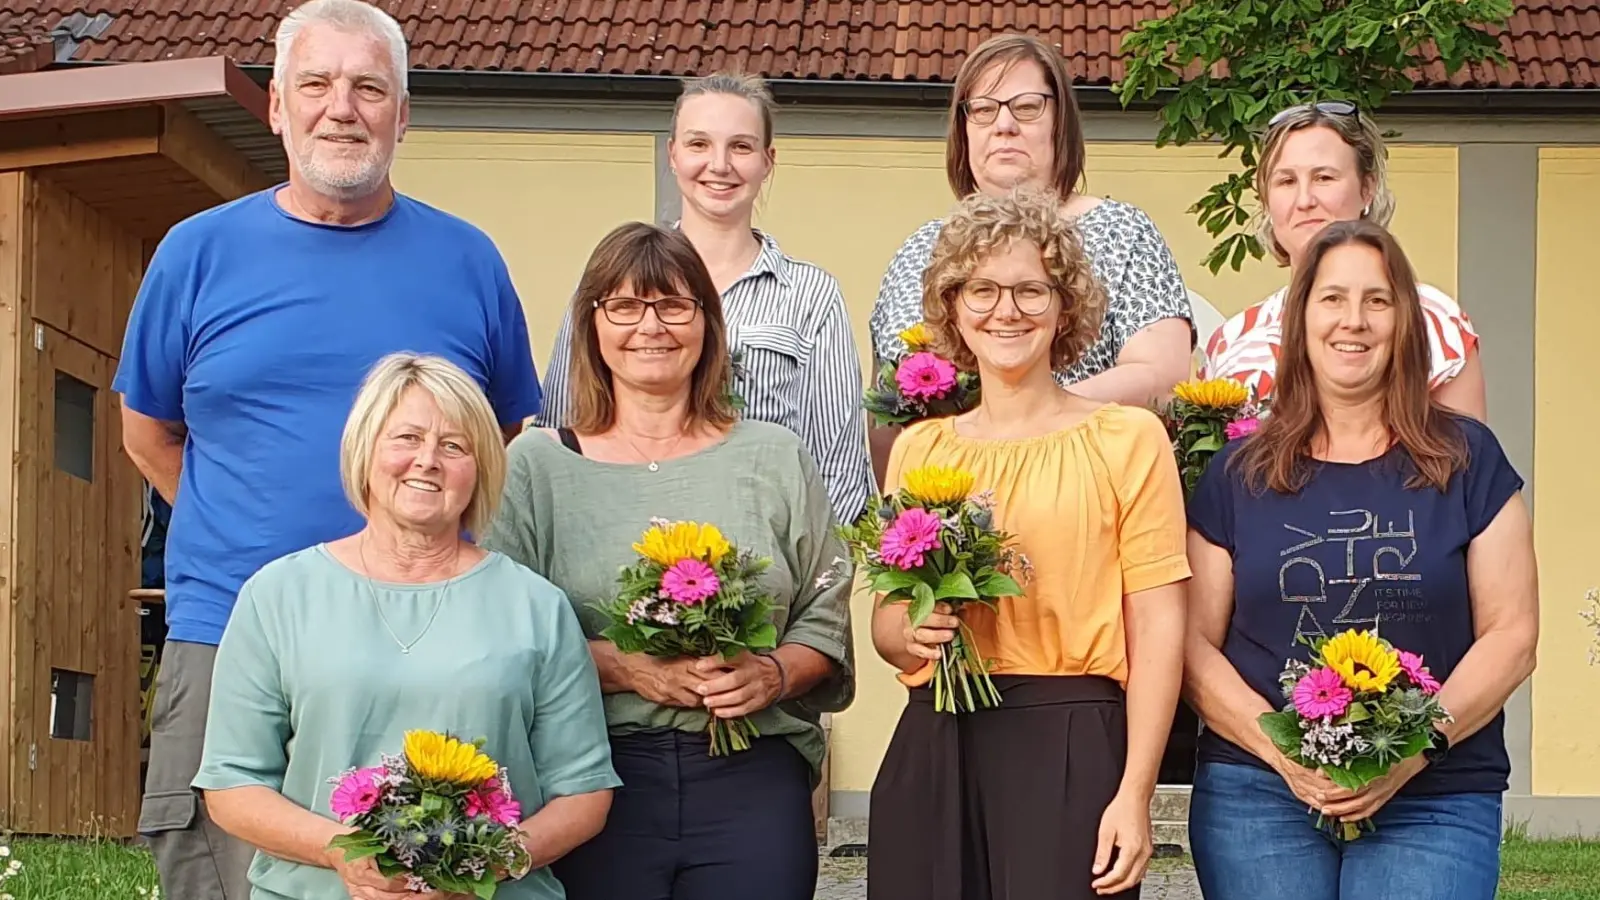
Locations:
(348, 15)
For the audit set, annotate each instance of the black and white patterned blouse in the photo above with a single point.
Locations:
(797, 367)
(1126, 251)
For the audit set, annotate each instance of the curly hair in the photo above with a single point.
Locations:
(983, 225)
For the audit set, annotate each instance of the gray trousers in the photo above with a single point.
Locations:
(196, 859)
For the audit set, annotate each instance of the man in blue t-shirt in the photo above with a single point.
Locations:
(251, 333)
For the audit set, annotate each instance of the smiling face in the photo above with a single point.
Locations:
(1008, 152)
(1350, 322)
(720, 155)
(642, 351)
(1315, 180)
(340, 111)
(423, 470)
(1010, 337)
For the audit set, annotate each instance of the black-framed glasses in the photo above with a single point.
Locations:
(1031, 297)
(631, 310)
(1024, 107)
(1326, 107)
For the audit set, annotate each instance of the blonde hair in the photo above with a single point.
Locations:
(982, 226)
(734, 84)
(1357, 131)
(459, 399)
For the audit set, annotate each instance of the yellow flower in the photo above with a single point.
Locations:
(1218, 393)
(916, 337)
(938, 484)
(666, 543)
(1361, 660)
(440, 757)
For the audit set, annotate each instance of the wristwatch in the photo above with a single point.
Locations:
(1441, 746)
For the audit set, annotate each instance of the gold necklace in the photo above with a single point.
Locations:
(366, 571)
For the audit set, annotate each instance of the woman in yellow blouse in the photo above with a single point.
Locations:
(1048, 794)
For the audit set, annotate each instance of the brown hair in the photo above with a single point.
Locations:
(649, 260)
(1278, 455)
(1357, 131)
(982, 225)
(736, 84)
(996, 56)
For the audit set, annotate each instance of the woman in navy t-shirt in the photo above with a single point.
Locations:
(1358, 504)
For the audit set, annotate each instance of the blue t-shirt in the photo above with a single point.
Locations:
(1353, 549)
(254, 329)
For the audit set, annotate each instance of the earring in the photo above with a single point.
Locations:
(1366, 210)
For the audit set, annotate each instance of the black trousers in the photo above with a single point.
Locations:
(689, 826)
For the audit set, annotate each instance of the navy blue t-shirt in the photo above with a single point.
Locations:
(255, 329)
(1355, 548)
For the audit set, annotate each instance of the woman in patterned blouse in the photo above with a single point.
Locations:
(1014, 123)
(1322, 163)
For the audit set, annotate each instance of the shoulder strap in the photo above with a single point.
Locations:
(569, 440)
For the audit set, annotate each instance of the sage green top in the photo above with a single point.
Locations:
(575, 520)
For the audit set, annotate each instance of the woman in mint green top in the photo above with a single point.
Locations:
(334, 652)
(654, 435)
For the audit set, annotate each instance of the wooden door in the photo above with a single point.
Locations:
(75, 736)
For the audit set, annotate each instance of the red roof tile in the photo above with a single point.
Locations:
(24, 47)
(1551, 43)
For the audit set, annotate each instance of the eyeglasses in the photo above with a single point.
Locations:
(1031, 297)
(631, 310)
(1024, 108)
(1326, 107)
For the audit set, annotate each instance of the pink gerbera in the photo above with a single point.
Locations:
(1321, 693)
(492, 800)
(356, 794)
(913, 534)
(1411, 664)
(690, 582)
(924, 376)
(1242, 428)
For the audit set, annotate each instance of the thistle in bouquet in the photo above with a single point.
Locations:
(1354, 711)
(440, 814)
(1202, 417)
(932, 542)
(692, 593)
(923, 385)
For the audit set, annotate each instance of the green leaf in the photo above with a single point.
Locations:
(1282, 728)
(890, 580)
(955, 584)
(1357, 712)
(921, 603)
(998, 584)
(762, 637)
(1344, 778)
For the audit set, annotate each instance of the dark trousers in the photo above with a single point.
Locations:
(688, 826)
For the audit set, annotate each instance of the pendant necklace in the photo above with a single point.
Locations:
(405, 648)
(653, 466)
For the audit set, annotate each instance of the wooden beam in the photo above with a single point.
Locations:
(80, 137)
(13, 244)
(199, 151)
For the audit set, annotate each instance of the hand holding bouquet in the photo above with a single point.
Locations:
(1202, 417)
(1357, 709)
(693, 594)
(441, 815)
(923, 385)
(934, 542)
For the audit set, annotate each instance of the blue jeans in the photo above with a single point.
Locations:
(1252, 839)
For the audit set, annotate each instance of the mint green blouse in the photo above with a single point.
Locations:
(309, 682)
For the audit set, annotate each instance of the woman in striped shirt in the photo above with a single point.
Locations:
(1321, 163)
(795, 354)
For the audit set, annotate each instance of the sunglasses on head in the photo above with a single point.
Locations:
(1326, 107)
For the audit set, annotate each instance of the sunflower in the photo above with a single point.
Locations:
(938, 484)
(668, 542)
(1361, 660)
(439, 757)
(1217, 393)
(916, 337)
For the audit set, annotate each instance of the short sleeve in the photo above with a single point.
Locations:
(1451, 335)
(571, 748)
(514, 384)
(155, 348)
(1490, 480)
(899, 302)
(1150, 526)
(247, 725)
(1210, 507)
(1150, 286)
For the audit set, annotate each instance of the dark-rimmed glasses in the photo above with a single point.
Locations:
(1326, 107)
(1024, 107)
(1031, 297)
(631, 310)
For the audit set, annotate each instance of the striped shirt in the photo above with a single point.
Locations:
(790, 333)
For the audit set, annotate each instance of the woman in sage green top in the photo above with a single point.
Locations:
(334, 652)
(654, 436)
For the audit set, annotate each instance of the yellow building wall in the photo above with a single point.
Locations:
(1566, 733)
(545, 199)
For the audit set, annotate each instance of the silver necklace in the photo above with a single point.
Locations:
(645, 456)
(405, 648)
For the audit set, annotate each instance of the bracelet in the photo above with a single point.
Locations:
(783, 676)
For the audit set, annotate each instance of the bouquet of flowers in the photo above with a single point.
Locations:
(921, 386)
(1355, 710)
(441, 814)
(692, 593)
(934, 541)
(1204, 415)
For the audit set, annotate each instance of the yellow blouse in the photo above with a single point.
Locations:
(1098, 510)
